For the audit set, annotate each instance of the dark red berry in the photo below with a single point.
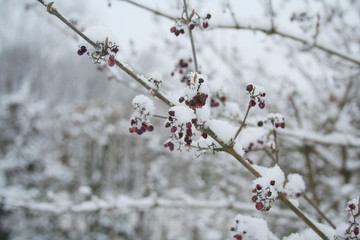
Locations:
(259, 206)
(204, 135)
(138, 131)
(177, 32)
(258, 187)
(232, 229)
(261, 105)
(223, 99)
(172, 113)
(260, 123)
(182, 31)
(272, 182)
(181, 135)
(172, 29)
(172, 74)
(249, 87)
(352, 206)
(262, 94)
(238, 237)
(173, 129)
(208, 16)
(205, 25)
(252, 103)
(192, 26)
(189, 132)
(79, 52)
(282, 125)
(298, 195)
(356, 230)
(277, 125)
(111, 61)
(188, 125)
(115, 50)
(131, 130)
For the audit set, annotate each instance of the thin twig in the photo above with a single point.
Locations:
(289, 36)
(191, 37)
(150, 9)
(243, 124)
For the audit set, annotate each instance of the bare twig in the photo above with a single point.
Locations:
(191, 37)
(243, 123)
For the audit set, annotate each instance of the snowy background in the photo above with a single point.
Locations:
(70, 169)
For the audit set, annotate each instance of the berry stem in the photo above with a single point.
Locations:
(243, 124)
(191, 37)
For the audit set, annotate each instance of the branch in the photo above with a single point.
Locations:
(260, 29)
(226, 148)
(273, 31)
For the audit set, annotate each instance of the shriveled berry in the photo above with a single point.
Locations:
(232, 229)
(181, 99)
(259, 206)
(172, 29)
(249, 87)
(208, 16)
(258, 187)
(223, 99)
(182, 31)
(201, 80)
(254, 198)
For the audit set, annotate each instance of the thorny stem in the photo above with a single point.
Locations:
(191, 37)
(243, 123)
(225, 147)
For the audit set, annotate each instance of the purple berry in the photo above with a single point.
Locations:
(173, 129)
(205, 25)
(188, 125)
(249, 87)
(150, 128)
(261, 105)
(172, 29)
(172, 113)
(272, 182)
(252, 103)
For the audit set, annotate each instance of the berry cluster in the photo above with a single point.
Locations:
(180, 23)
(351, 229)
(276, 120)
(215, 102)
(195, 98)
(143, 110)
(256, 95)
(178, 130)
(102, 52)
(140, 130)
(177, 29)
(182, 67)
(263, 196)
(82, 50)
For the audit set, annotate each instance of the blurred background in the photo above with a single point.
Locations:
(69, 168)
